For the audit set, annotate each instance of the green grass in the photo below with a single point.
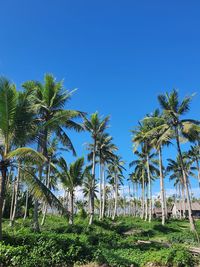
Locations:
(113, 243)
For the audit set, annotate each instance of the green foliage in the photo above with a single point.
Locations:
(105, 242)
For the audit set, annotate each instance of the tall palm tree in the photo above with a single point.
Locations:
(194, 155)
(140, 138)
(145, 167)
(159, 137)
(105, 154)
(115, 173)
(71, 177)
(50, 99)
(133, 177)
(173, 110)
(95, 126)
(175, 170)
(50, 172)
(89, 187)
(10, 124)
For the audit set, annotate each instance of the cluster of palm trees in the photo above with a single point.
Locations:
(34, 125)
(153, 133)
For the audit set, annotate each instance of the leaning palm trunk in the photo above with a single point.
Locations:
(116, 198)
(162, 192)
(149, 189)
(93, 185)
(192, 226)
(16, 196)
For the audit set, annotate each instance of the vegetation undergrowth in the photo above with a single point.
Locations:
(122, 242)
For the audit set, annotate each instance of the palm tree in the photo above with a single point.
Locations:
(25, 108)
(159, 137)
(194, 155)
(105, 153)
(71, 177)
(135, 181)
(175, 170)
(50, 172)
(145, 167)
(140, 138)
(96, 126)
(89, 187)
(50, 99)
(173, 110)
(115, 173)
(10, 125)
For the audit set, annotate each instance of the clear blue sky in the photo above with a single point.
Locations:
(119, 54)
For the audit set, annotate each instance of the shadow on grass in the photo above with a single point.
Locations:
(165, 229)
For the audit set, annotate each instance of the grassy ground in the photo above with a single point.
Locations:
(124, 242)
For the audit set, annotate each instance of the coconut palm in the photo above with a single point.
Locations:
(89, 187)
(71, 176)
(50, 172)
(10, 124)
(135, 181)
(194, 155)
(159, 137)
(140, 138)
(115, 174)
(50, 98)
(173, 110)
(95, 126)
(105, 154)
(175, 170)
(145, 167)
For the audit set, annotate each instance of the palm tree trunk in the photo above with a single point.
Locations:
(198, 170)
(3, 170)
(93, 184)
(149, 189)
(183, 201)
(47, 184)
(26, 205)
(134, 199)
(16, 195)
(12, 201)
(162, 192)
(180, 203)
(146, 203)
(116, 198)
(143, 198)
(175, 202)
(129, 191)
(104, 194)
(192, 226)
(71, 214)
(100, 189)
